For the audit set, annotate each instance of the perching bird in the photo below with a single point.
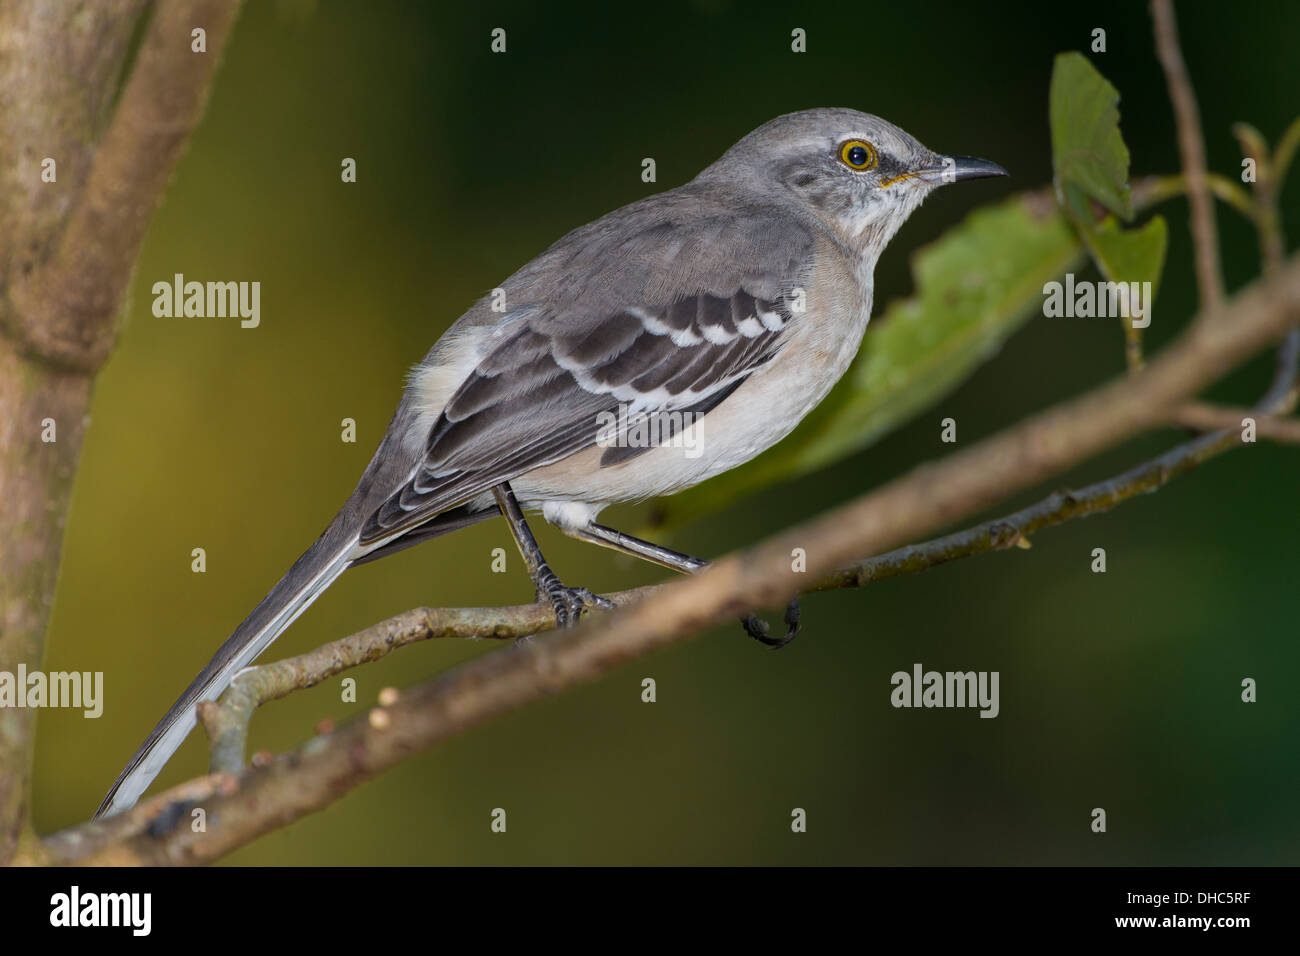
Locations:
(724, 310)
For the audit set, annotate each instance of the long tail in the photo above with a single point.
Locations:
(333, 553)
(310, 575)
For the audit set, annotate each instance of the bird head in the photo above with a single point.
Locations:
(861, 174)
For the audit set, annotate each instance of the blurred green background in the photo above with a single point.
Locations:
(1118, 690)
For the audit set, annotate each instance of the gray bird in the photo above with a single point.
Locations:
(666, 342)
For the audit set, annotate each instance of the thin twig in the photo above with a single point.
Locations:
(1206, 417)
(1150, 190)
(1269, 173)
(226, 720)
(1285, 152)
(1268, 224)
(1191, 147)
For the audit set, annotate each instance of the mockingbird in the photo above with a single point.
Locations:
(728, 306)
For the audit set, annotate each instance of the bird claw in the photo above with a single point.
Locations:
(570, 603)
(592, 598)
(757, 628)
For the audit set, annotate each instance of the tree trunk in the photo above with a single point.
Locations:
(84, 159)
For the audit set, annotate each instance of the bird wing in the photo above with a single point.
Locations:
(538, 396)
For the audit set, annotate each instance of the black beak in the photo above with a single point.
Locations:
(968, 167)
(952, 169)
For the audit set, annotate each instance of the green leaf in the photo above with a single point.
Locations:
(1091, 162)
(1132, 255)
(975, 286)
(1087, 148)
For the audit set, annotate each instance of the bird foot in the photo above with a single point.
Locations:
(757, 628)
(570, 603)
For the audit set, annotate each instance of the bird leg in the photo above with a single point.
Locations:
(666, 557)
(569, 603)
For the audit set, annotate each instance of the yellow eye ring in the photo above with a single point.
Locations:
(858, 155)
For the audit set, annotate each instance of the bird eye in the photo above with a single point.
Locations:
(857, 154)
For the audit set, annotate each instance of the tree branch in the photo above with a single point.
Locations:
(1191, 146)
(261, 798)
(226, 721)
(1203, 416)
